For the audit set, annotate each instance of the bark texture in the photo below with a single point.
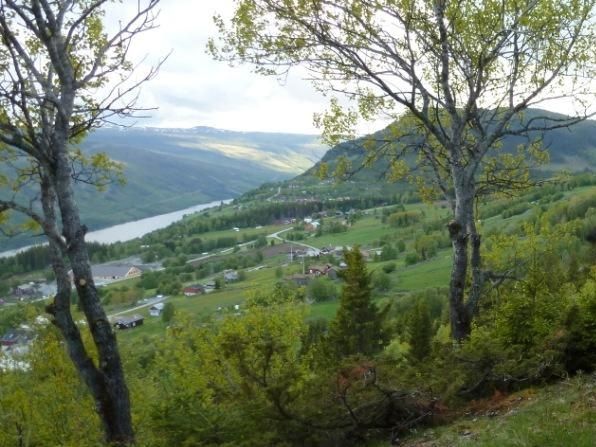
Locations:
(55, 55)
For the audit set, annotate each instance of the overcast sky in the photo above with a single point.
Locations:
(191, 89)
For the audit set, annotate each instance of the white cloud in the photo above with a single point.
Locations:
(192, 89)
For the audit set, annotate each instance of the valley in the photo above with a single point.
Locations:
(167, 170)
(270, 246)
(406, 258)
(280, 254)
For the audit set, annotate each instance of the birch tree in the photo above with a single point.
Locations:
(463, 74)
(61, 75)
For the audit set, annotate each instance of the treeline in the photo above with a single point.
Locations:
(261, 214)
(519, 205)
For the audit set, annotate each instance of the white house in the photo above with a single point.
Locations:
(230, 275)
(156, 310)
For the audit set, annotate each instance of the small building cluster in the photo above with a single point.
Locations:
(193, 290)
(313, 271)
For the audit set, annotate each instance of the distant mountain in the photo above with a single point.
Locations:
(171, 169)
(573, 149)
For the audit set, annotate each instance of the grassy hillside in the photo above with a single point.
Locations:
(559, 415)
(572, 149)
(372, 230)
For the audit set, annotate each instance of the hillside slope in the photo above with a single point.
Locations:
(573, 148)
(562, 414)
(171, 169)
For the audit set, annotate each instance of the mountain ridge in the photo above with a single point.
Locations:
(171, 169)
(572, 148)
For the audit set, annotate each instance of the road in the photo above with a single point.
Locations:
(149, 303)
(276, 236)
(275, 195)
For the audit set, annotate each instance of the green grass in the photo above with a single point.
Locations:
(432, 273)
(324, 310)
(369, 229)
(363, 232)
(201, 306)
(245, 234)
(561, 415)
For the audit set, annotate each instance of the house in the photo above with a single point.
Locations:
(323, 270)
(34, 289)
(312, 226)
(128, 322)
(25, 290)
(16, 337)
(312, 253)
(299, 280)
(209, 285)
(230, 275)
(332, 273)
(318, 270)
(111, 272)
(366, 254)
(156, 309)
(197, 289)
(296, 253)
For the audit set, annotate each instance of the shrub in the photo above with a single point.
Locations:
(168, 312)
(404, 218)
(389, 267)
(411, 259)
(381, 281)
(321, 289)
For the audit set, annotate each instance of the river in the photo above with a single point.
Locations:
(136, 228)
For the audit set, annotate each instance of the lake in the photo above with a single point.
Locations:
(136, 228)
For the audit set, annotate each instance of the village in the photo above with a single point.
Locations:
(309, 264)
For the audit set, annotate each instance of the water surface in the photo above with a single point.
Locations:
(136, 228)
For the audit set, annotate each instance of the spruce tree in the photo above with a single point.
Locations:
(356, 328)
(421, 331)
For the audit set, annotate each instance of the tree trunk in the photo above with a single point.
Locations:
(476, 266)
(460, 317)
(106, 382)
(60, 308)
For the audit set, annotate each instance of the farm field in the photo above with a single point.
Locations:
(368, 231)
